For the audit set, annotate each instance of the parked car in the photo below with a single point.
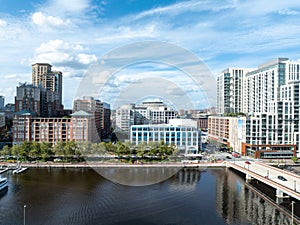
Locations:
(247, 162)
(282, 178)
(228, 157)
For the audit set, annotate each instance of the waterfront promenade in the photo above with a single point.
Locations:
(113, 165)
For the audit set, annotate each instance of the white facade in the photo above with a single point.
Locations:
(270, 99)
(183, 137)
(183, 122)
(230, 95)
(125, 117)
(146, 113)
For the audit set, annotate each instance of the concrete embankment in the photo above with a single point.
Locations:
(109, 165)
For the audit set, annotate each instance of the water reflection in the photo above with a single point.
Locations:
(75, 196)
(3, 192)
(137, 176)
(235, 201)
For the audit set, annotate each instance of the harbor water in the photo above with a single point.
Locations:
(82, 196)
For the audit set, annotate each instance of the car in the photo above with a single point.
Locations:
(282, 178)
(228, 157)
(247, 162)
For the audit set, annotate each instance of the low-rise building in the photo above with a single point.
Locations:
(187, 138)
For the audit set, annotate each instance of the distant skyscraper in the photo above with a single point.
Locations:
(51, 81)
(38, 70)
(28, 98)
(2, 101)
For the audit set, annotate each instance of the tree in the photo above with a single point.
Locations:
(6, 151)
(45, 150)
(59, 148)
(294, 159)
(35, 150)
(70, 148)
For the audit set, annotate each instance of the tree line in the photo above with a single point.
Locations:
(71, 150)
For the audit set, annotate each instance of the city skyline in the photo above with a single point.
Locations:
(72, 37)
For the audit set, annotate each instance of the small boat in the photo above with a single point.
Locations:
(3, 183)
(19, 170)
(3, 170)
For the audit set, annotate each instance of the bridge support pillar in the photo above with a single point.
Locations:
(280, 196)
(248, 177)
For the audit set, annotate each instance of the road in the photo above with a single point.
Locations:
(292, 180)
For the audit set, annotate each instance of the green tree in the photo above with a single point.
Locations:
(35, 150)
(294, 159)
(6, 150)
(122, 149)
(15, 150)
(109, 147)
(59, 149)
(46, 150)
(71, 148)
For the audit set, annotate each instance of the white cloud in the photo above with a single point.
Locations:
(288, 12)
(3, 23)
(124, 33)
(187, 6)
(68, 57)
(10, 76)
(45, 21)
(86, 59)
(74, 6)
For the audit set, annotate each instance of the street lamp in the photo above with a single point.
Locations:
(295, 185)
(24, 222)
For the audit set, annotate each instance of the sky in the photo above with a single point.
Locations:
(75, 35)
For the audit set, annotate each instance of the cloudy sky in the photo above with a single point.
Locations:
(73, 35)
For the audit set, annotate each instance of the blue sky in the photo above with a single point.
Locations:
(72, 35)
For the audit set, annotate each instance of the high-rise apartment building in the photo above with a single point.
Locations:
(100, 110)
(29, 97)
(38, 71)
(230, 95)
(270, 99)
(51, 81)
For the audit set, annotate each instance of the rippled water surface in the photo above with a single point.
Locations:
(82, 196)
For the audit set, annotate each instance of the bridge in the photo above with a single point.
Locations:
(270, 176)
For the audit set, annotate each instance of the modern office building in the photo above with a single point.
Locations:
(270, 100)
(184, 137)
